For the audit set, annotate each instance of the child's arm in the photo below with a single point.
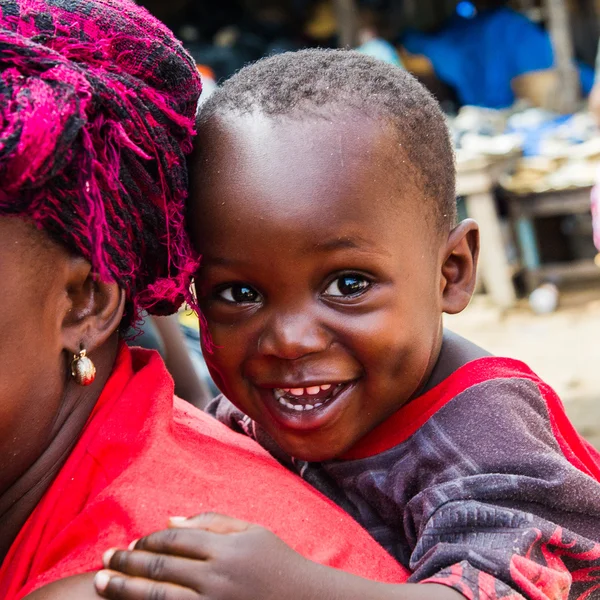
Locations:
(188, 384)
(212, 557)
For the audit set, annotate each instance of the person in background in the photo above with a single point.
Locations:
(491, 55)
(595, 208)
(97, 106)
(594, 99)
(594, 107)
(371, 39)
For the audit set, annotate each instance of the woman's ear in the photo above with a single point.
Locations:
(459, 267)
(95, 308)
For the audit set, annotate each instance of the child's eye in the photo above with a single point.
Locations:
(347, 285)
(239, 294)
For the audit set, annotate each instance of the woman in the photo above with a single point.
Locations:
(97, 102)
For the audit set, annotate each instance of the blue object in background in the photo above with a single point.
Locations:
(466, 10)
(533, 135)
(381, 49)
(480, 56)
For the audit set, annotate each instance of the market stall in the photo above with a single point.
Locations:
(542, 166)
(554, 181)
(524, 209)
(476, 182)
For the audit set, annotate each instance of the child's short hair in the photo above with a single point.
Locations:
(309, 80)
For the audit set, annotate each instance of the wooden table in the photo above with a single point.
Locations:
(476, 183)
(523, 209)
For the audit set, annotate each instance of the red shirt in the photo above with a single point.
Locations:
(481, 484)
(142, 458)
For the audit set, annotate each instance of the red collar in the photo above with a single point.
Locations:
(412, 416)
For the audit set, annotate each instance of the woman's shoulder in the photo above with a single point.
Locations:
(209, 427)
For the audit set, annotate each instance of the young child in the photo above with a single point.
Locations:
(323, 204)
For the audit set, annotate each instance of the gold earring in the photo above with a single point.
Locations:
(83, 369)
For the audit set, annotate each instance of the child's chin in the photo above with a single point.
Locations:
(309, 448)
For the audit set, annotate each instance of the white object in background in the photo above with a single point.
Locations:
(544, 299)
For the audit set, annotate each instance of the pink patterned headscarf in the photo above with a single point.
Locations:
(97, 107)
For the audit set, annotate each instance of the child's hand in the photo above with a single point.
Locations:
(211, 557)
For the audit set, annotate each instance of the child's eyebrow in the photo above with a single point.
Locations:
(219, 261)
(341, 243)
(350, 243)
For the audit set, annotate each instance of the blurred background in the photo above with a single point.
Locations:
(517, 82)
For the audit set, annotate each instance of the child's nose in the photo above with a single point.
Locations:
(292, 336)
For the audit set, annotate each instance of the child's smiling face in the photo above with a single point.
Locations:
(322, 281)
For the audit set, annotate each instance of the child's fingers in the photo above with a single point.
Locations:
(116, 586)
(186, 543)
(158, 567)
(211, 521)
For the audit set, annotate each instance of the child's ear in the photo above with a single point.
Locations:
(94, 308)
(459, 267)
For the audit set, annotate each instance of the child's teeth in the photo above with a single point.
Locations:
(298, 407)
(313, 390)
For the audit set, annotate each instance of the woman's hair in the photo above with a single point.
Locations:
(97, 106)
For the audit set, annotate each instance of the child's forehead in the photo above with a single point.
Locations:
(302, 132)
(273, 176)
(302, 146)
(258, 164)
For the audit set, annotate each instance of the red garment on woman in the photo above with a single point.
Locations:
(142, 458)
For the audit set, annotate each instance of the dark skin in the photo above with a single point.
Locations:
(51, 306)
(318, 269)
(322, 270)
(217, 557)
